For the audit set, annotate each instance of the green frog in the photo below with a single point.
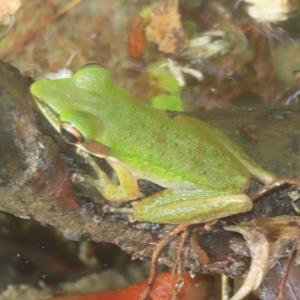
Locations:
(205, 174)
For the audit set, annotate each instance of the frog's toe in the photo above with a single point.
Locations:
(77, 178)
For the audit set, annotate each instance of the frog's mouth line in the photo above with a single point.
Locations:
(50, 114)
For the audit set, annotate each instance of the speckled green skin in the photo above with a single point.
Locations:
(145, 139)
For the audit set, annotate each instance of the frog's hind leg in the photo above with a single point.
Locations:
(278, 182)
(155, 255)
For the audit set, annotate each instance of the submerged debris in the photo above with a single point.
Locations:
(271, 11)
(269, 240)
(165, 28)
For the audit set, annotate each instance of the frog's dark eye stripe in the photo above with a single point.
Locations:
(70, 134)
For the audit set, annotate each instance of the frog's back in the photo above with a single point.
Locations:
(158, 148)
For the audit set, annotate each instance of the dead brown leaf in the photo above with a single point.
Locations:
(165, 28)
(7, 9)
(269, 240)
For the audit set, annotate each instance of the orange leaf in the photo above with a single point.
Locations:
(162, 290)
(136, 43)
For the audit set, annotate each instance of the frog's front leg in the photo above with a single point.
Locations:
(189, 206)
(126, 190)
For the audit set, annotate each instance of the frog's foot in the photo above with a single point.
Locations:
(155, 255)
(278, 182)
(126, 190)
(119, 210)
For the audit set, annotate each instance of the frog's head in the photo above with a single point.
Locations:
(68, 103)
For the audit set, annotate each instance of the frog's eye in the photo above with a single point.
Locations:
(70, 134)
